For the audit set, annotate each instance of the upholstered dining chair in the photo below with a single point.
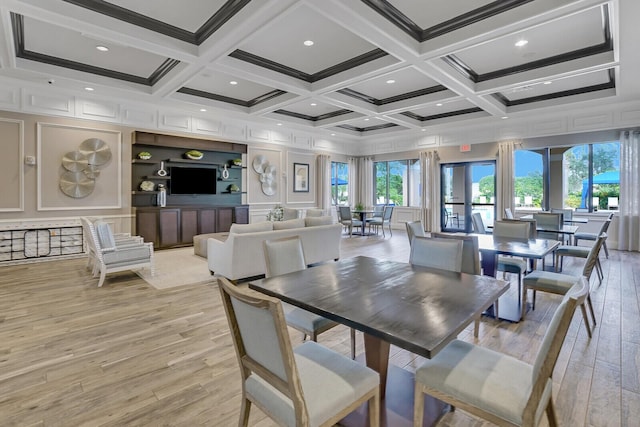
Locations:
(558, 283)
(581, 252)
(444, 254)
(310, 385)
(594, 236)
(415, 228)
(470, 262)
(346, 219)
(508, 213)
(286, 255)
(512, 229)
(494, 386)
(385, 219)
(111, 258)
(478, 223)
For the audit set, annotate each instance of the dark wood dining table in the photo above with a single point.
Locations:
(491, 246)
(415, 308)
(363, 218)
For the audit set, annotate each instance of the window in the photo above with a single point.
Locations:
(339, 183)
(397, 182)
(528, 183)
(593, 176)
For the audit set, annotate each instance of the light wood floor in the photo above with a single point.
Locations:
(72, 354)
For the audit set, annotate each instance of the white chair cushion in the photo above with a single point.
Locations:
(251, 228)
(303, 319)
(330, 382)
(551, 282)
(576, 251)
(509, 264)
(585, 236)
(288, 224)
(127, 255)
(491, 381)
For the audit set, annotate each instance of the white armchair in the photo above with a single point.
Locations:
(111, 258)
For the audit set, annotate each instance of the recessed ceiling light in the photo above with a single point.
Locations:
(504, 117)
(203, 109)
(547, 83)
(423, 130)
(521, 43)
(439, 104)
(313, 104)
(102, 48)
(390, 82)
(333, 134)
(308, 43)
(366, 120)
(279, 124)
(89, 89)
(233, 82)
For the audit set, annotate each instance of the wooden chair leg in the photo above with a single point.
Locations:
(374, 411)
(418, 407)
(476, 328)
(593, 316)
(551, 414)
(524, 302)
(244, 413)
(586, 319)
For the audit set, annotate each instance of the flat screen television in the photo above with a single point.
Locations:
(193, 180)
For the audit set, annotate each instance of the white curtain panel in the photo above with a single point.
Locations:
(629, 202)
(365, 181)
(430, 164)
(505, 190)
(353, 181)
(324, 182)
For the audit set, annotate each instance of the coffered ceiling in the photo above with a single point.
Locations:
(357, 68)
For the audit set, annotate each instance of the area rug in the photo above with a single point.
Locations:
(177, 267)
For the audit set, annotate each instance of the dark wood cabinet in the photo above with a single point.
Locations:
(225, 219)
(175, 226)
(169, 227)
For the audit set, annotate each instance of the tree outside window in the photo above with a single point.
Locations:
(605, 191)
(395, 181)
(339, 183)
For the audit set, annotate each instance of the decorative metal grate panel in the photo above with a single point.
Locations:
(40, 243)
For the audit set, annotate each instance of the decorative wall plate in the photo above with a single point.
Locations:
(97, 151)
(269, 188)
(75, 161)
(76, 184)
(260, 163)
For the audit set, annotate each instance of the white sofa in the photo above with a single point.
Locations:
(241, 254)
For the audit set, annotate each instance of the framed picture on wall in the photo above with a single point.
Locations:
(301, 177)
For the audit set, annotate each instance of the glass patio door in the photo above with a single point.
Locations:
(467, 188)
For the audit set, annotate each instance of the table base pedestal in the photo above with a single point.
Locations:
(396, 409)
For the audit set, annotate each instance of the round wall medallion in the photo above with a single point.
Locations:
(260, 163)
(96, 150)
(92, 171)
(269, 188)
(76, 184)
(75, 161)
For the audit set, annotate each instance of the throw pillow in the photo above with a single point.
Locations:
(312, 221)
(315, 212)
(251, 228)
(290, 223)
(105, 236)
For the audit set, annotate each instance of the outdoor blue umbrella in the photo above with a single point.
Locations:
(611, 177)
(338, 181)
